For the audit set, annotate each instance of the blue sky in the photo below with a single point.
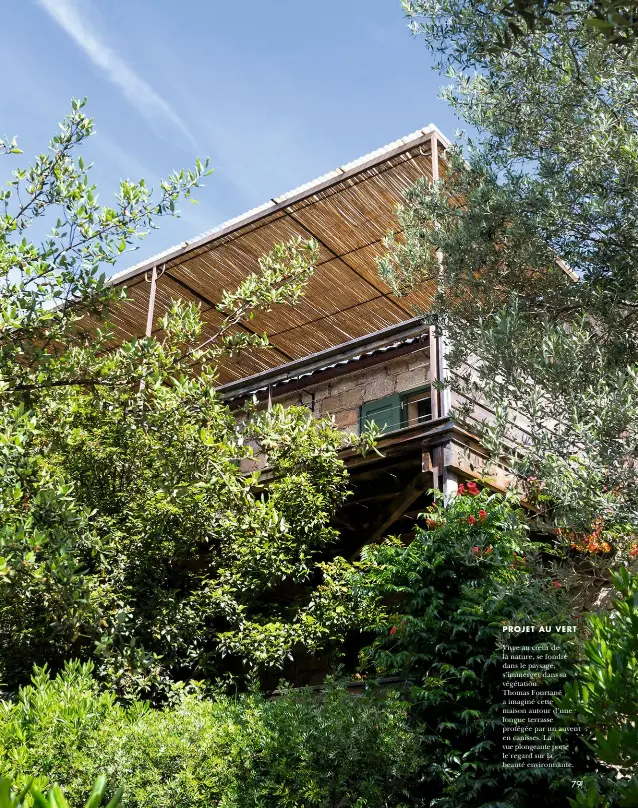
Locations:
(275, 92)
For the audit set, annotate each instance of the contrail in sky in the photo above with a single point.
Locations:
(137, 91)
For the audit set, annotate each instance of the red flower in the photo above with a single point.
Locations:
(393, 630)
(471, 520)
(472, 489)
(482, 514)
(633, 552)
(557, 584)
(460, 490)
(475, 550)
(489, 550)
(576, 617)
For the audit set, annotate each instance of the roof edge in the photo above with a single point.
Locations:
(280, 202)
(322, 360)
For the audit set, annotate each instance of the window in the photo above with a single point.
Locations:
(384, 412)
(398, 411)
(417, 407)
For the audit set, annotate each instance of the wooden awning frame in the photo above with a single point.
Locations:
(347, 212)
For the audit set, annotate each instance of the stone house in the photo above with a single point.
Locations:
(350, 348)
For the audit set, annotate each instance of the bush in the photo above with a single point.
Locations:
(131, 534)
(55, 798)
(604, 698)
(299, 749)
(450, 591)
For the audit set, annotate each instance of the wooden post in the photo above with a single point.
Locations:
(398, 506)
(151, 302)
(445, 395)
(443, 477)
(151, 307)
(434, 372)
(435, 353)
(434, 156)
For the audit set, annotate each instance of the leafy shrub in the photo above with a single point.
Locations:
(603, 698)
(55, 798)
(131, 533)
(447, 596)
(298, 749)
(132, 536)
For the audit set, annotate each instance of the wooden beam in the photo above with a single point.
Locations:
(150, 313)
(399, 505)
(151, 302)
(434, 156)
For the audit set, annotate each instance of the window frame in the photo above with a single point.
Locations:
(402, 403)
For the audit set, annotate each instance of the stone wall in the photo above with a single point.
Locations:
(343, 396)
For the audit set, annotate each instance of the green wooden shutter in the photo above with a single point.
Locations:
(384, 412)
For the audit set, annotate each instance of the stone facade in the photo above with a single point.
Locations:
(343, 396)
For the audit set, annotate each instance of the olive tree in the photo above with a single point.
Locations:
(531, 239)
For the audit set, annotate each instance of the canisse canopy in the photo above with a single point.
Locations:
(348, 212)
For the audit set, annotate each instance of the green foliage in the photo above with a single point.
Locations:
(136, 529)
(616, 20)
(139, 537)
(447, 596)
(40, 280)
(603, 698)
(299, 749)
(535, 224)
(55, 798)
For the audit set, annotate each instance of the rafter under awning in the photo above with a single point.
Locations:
(347, 212)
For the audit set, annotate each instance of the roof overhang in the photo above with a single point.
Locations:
(348, 212)
(379, 346)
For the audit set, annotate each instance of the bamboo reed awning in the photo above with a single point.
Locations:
(348, 212)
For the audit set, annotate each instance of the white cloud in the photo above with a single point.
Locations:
(133, 87)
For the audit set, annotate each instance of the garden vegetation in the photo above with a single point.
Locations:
(150, 583)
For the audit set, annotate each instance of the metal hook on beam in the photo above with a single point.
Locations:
(158, 275)
(155, 275)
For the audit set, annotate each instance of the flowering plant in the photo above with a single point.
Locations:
(444, 599)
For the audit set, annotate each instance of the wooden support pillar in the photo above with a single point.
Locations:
(447, 480)
(151, 301)
(434, 372)
(434, 156)
(437, 342)
(445, 395)
(150, 312)
(397, 506)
